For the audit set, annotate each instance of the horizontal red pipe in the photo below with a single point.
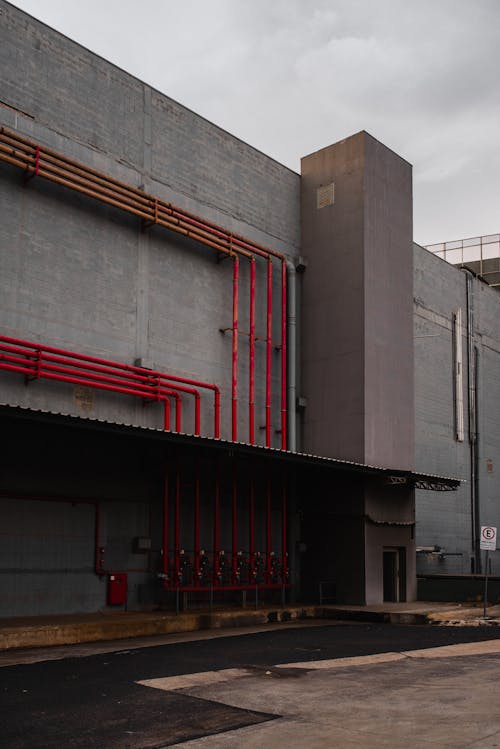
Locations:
(220, 587)
(38, 364)
(27, 370)
(127, 368)
(152, 391)
(32, 149)
(62, 170)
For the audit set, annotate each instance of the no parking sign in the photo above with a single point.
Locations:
(488, 537)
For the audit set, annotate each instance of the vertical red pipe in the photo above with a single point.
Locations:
(234, 389)
(165, 528)
(166, 421)
(177, 531)
(177, 413)
(197, 408)
(283, 355)
(251, 528)
(97, 531)
(196, 569)
(251, 384)
(284, 556)
(235, 528)
(217, 414)
(268, 531)
(269, 345)
(216, 561)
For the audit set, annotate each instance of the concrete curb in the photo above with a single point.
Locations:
(384, 617)
(99, 627)
(122, 626)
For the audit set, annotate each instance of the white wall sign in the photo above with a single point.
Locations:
(488, 537)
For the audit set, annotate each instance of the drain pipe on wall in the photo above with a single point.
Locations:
(472, 361)
(292, 358)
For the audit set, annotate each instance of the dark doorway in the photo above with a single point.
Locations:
(394, 574)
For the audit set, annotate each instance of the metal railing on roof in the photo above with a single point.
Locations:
(478, 253)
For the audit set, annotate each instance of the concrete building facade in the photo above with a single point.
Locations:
(457, 350)
(207, 362)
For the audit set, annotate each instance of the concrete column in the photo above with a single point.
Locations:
(357, 311)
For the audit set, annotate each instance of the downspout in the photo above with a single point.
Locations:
(477, 511)
(472, 409)
(292, 358)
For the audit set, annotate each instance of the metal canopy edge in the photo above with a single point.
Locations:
(423, 481)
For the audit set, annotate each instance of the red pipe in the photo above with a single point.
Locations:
(216, 526)
(251, 527)
(234, 388)
(219, 588)
(23, 151)
(126, 368)
(155, 391)
(177, 529)
(235, 528)
(166, 418)
(144, 383)
(284, 555)
(269, 345)
(268, 530)
(165, 528)
(283, 357)
(251, 384)
(98, 562)
(197, 573)
(97, 385)
(217, 413)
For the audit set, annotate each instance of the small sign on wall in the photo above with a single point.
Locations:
(325, 195)
(84, 398)
(488, 537)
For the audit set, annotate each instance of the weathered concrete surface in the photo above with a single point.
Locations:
(44, 631)
(397, 700)
(83, 276)
(444, 519)
(356, 316)
(63, 630)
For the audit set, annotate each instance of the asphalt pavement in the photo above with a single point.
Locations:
(96, 700)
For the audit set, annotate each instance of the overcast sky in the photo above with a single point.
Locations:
(292, 76)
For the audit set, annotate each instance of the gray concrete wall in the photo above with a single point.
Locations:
(444, 518)
(53, 478)
(357, 354)
(80, 275)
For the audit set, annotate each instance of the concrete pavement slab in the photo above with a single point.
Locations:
(401, 703)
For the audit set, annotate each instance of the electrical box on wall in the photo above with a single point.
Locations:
(117, 589)
(142, 545)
